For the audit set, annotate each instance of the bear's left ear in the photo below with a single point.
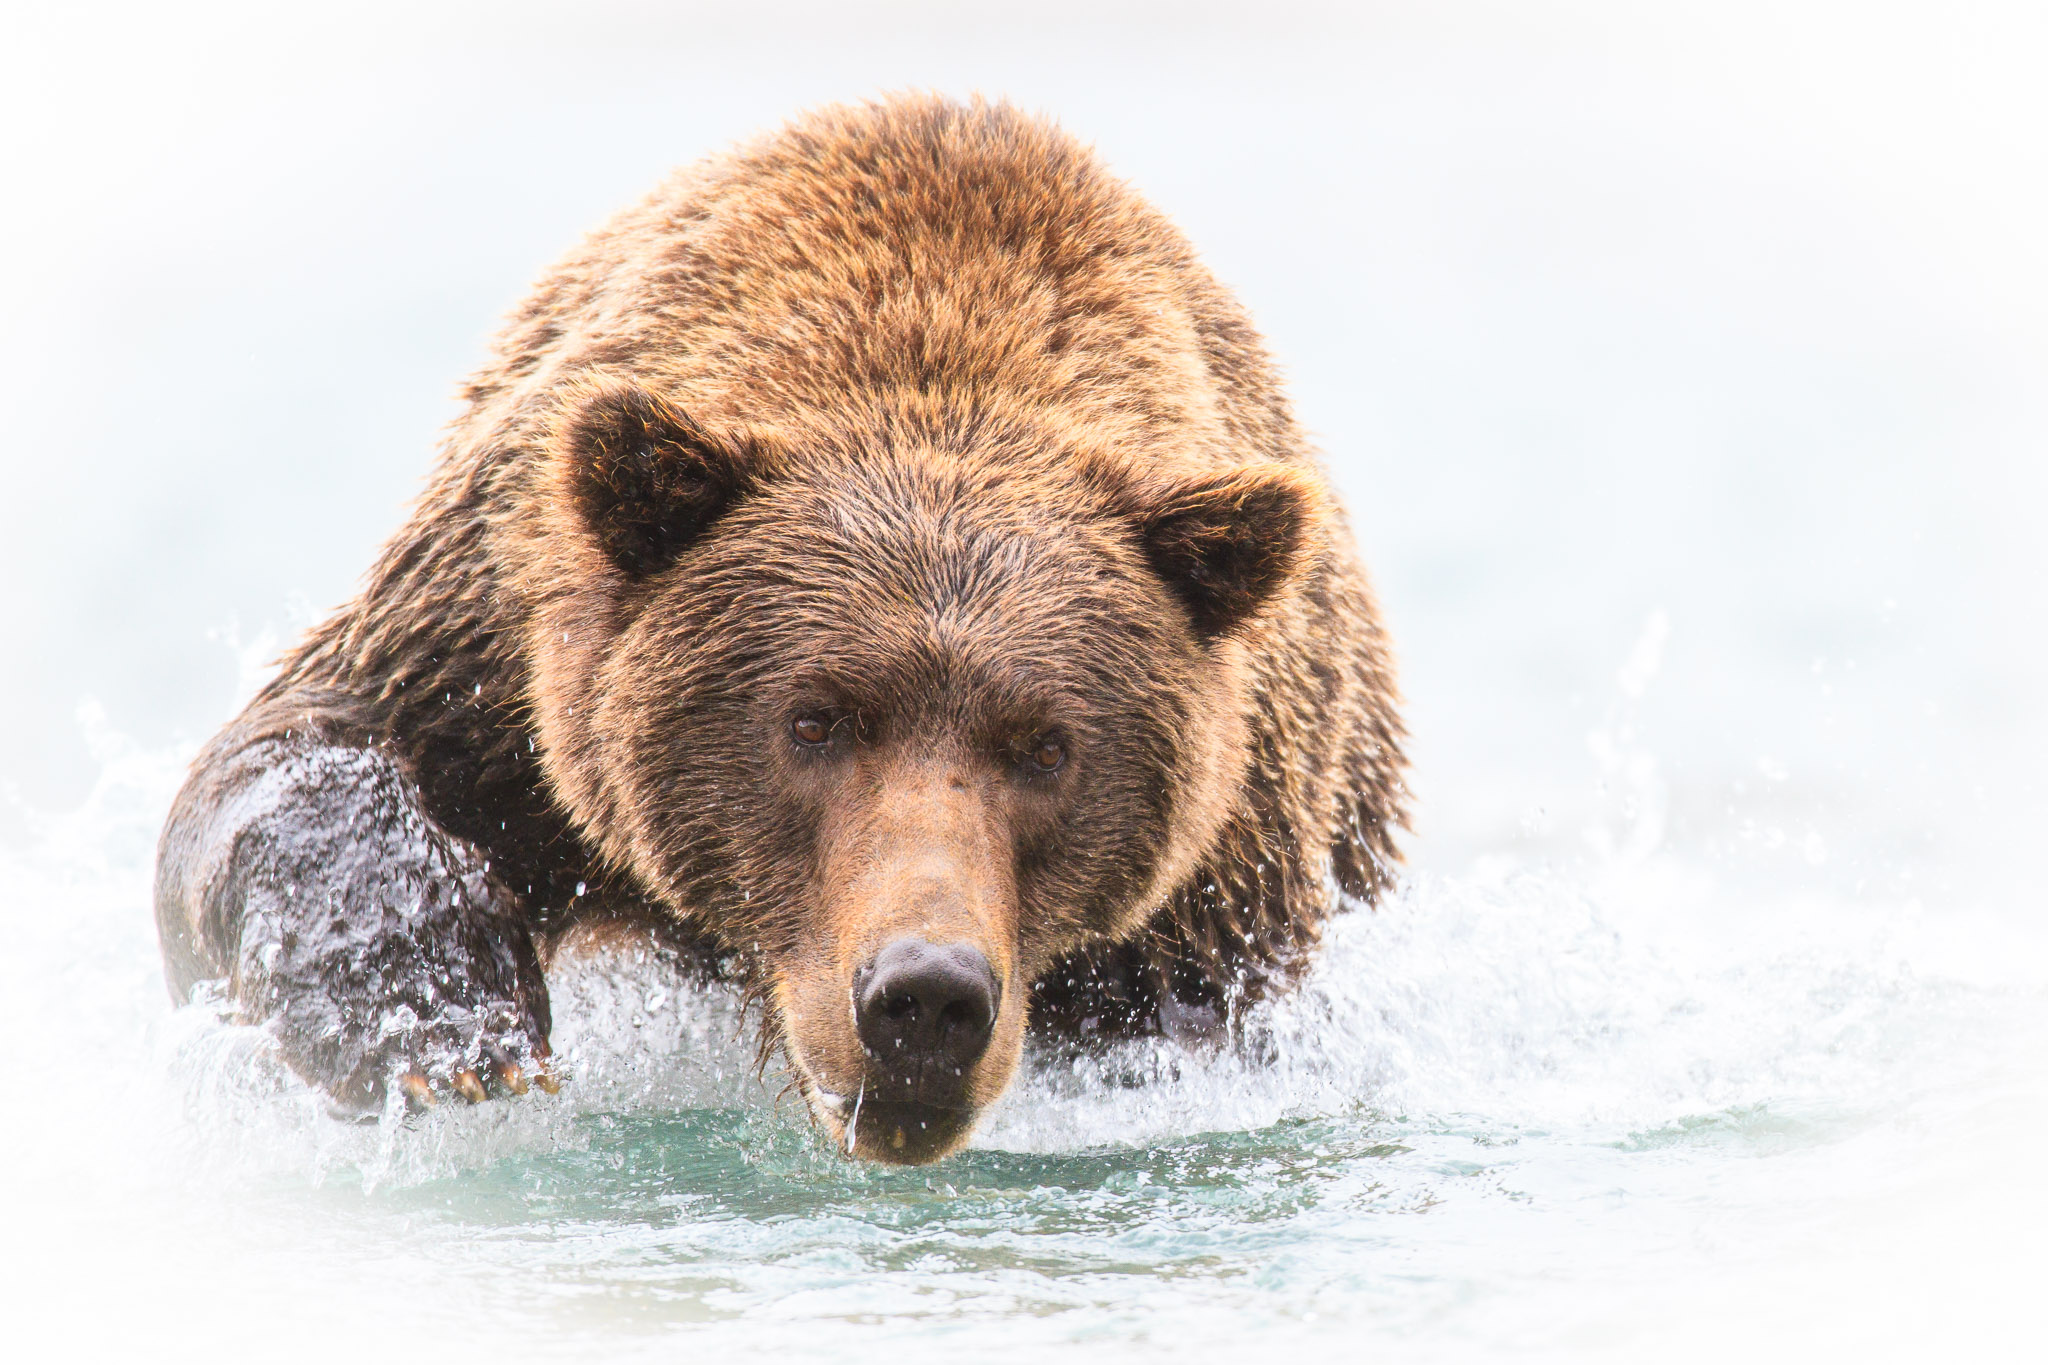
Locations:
(1227, 543)
(643, 478)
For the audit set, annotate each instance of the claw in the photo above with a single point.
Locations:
(418, 1094)
(507, 1071)
(468, 1086)
(545, 1078)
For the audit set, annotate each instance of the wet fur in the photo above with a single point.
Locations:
(930, 310)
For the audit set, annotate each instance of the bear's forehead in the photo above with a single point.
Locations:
(995, 602)
(883, 591)
(975, 546)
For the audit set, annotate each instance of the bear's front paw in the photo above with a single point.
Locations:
(430, 993)
(474, 1054)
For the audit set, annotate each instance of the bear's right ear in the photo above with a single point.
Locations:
(643, 478)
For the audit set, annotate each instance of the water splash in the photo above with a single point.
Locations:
(1497, 1102)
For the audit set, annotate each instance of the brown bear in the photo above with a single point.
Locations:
(884, 564)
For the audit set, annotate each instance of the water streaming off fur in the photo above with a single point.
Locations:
(1500, 1099)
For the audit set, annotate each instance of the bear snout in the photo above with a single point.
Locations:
(925, 1013)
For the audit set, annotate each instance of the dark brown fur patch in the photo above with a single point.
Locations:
(1227, 544)
(645, 479)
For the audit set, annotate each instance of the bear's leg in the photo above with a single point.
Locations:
(376, 947)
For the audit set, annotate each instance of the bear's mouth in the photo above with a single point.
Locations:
(898, 1132)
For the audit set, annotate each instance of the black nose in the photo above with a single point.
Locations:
(925, 1008)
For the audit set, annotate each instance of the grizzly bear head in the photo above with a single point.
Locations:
(900, 719)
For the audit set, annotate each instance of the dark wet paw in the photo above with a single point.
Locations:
(500, 1076)
(460, 1054)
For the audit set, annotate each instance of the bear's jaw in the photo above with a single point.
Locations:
(893, 1132)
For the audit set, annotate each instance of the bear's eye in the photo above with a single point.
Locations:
(1047, 755)
(812, 727)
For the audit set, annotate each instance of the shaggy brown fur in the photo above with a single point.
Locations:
(907, 416)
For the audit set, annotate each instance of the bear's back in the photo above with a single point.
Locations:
(907, 267)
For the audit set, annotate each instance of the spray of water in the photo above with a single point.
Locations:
(1566, 1056)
